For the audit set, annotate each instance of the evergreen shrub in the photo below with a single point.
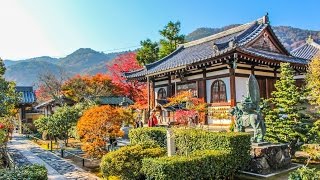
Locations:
(149, 135)
(208, 164)
(238, 144)
(30, 172)
(304, 173)
(190, 140)
(126, 162)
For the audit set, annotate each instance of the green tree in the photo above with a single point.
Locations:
(148, 53)
(59, 124)
(152, 51)
(285, 121)
(8, 96)
(171, 38)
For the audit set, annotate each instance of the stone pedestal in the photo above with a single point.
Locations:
(268, 158)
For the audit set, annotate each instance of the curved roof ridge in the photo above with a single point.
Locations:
(224, 33)
(134, 71)
(147, 66)
(315, 44)
(309, 41)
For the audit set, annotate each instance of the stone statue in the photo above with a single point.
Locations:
(248, 112)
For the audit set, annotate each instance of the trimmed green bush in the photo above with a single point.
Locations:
(149, 135)
(126, 162)
(209, 164)
(31, 172)
(190, 140)
(238, 144)
(304, 173)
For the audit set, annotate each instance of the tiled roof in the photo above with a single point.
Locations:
(273, 56)
(114, 100)
(27, 94)
(136, 73)
(213, 46)
(54, 102)
(307, 50)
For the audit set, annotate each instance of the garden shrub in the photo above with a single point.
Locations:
(149, 135)
(313, 150)
(238, 144)
(209, 164)
(126, 162)
(30, 172)
(304, 173)
(190, 140)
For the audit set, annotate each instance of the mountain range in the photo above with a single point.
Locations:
(82, 61)
(88, 61)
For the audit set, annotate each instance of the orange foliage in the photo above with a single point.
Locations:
(193, 104)
(79, 87)
(96, 126)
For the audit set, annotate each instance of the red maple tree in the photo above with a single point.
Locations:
(135, 90)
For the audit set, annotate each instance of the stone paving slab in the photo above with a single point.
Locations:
(58, 168)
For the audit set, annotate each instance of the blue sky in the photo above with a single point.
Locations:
(59, 27)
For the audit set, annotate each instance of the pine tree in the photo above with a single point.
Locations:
(148, 53)
(284, 121)
(171, 38)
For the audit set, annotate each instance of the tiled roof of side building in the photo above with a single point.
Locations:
(307, 51)
(27, 94)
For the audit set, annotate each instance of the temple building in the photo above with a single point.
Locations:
(217, 68)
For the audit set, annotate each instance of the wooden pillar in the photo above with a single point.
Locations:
(22, 116)
(205, 94)
(169, 94)
(268, 93)
(152, 94)
(205, 85)
(252, 69)
(149, 102)
(232, 87)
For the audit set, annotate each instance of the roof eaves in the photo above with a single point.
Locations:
(223, 33)
(149, 66)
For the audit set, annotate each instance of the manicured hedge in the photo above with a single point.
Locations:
(126, 162)
(190, 140)
(149, 135)
(31, 172)
(209, 164)
(238, 144)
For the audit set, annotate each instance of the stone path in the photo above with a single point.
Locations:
(26, 152)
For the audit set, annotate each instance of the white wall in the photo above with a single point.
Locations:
(241, 87)
(226, 80)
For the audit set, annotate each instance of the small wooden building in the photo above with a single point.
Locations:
(26, 113)
(217, 68)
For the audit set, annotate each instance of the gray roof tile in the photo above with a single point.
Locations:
(307, 50)
(274, 56)
(27, 94)
(202, 49)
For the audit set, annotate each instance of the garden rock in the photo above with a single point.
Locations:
(269, 158)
